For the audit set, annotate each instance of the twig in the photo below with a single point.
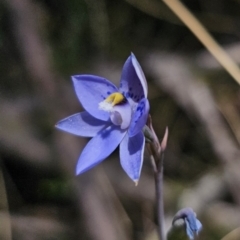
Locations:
(207, 40)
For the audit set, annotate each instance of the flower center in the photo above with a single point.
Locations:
(112, 100)
(119, 109)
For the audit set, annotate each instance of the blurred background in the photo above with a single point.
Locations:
(43, 43)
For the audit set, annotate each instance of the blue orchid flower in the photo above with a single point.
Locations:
(113, 116)
(185, 218)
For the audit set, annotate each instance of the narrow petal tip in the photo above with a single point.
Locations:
(77, 172)
(73, 78)
(140, 74)
(136, 182)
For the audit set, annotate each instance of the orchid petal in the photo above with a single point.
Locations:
(124, 112)
(139, 118)
(199, 226)
(193, 226)
(99, 148)
(189, 231)
(140, 74)
(191, 219)
(91, 90)
(81, 124)
(131, 84)
(131, 155)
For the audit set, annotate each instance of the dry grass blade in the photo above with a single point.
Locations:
(207, 40)
(220, 23)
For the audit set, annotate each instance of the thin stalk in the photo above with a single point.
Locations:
(152, 159)
(159, 196)
(158, 177)
(156, 152)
